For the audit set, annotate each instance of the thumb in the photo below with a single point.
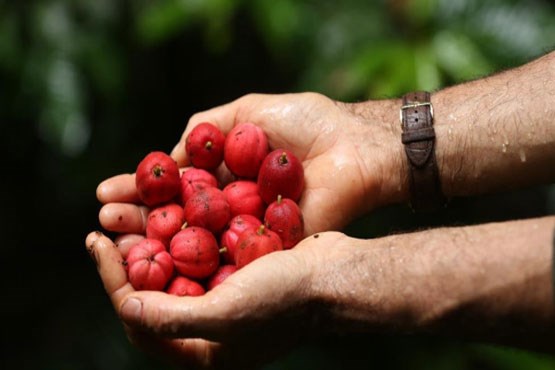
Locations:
(167, 315)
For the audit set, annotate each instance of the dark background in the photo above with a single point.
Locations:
(87, 88)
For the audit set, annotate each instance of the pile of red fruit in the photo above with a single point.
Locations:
(255, 215)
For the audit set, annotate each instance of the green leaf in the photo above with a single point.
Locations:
(459, 56)
(163, 19)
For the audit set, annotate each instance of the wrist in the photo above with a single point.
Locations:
(394, 169)
(385, 167)
(358, 287)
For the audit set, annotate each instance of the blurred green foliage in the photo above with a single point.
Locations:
(77, 80)
(60, 50)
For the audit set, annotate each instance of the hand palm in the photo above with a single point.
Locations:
(331, 143)
(314, 128)
(322, 133)
(270, 289)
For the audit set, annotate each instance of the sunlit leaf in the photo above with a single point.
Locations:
(459, 56)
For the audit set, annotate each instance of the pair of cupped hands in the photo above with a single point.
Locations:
(274, 302)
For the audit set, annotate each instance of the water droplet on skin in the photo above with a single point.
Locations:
(450, 133)
(504, 148)
(529, 135)
(522, 156)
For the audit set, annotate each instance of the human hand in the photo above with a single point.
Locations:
(256, 314)
(350, 154)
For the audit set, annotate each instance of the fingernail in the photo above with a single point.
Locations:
(131, 310)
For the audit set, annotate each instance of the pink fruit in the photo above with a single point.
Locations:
(150, 266)
(196, 179)
(209, 209)
(253, 244)
(237, 226)
(220, 275)
(181, 286)
(157, 179)
(244, 199)
(195, 252)
(284, 217)
(205, 146)
(282, 174)
(245, 148)
(164, 222)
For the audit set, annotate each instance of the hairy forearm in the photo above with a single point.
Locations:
(499, 132)
(492, 134)
(490, 282)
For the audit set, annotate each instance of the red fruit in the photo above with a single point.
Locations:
(196, 179)
(150, 266)
(245, 148)
(181, 286)
(157, 179)
(253, 244)
(209, 209)
(244, 199)
(237, 226)
(164, 222)
(285, 218)
(195, 252)
(205, 146)
(220, 275)
(282, 174)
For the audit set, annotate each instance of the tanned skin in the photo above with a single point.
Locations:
(490, 282)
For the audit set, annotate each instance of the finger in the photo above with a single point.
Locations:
(120, 188)
(250, 352)
(123, 218)
(188, 353)
(125, 242)
(109, 263)
(224, 117)
(214, 316)
(170, 316)
(224, 175)
(203, 354)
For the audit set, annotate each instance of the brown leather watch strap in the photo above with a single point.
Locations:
(419, 140)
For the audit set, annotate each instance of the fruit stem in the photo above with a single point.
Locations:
(157, 170)
(283, 158)
(208, 145)
(260, 230)
(279, 199)
(223, 250)
(184, 225)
